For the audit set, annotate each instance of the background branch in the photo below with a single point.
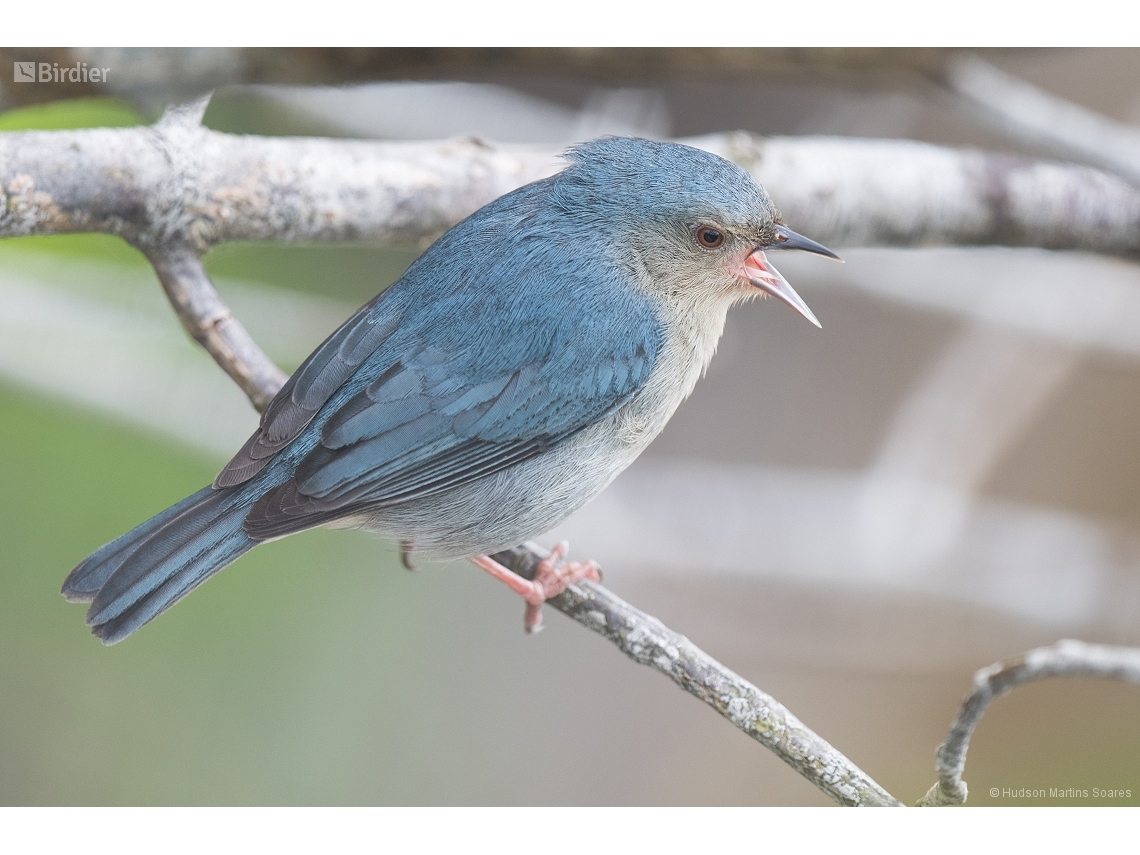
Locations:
(1066, 658)
(1026, 113)
(157, 76)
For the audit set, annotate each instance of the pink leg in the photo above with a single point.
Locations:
(552, 576)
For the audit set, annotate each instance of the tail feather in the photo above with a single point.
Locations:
(149, 606)
(164, 551)
(84, 582)
(137, 577)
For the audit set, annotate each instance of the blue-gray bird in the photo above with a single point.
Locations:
(522, 362)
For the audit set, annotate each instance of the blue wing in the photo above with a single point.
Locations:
(418, 429)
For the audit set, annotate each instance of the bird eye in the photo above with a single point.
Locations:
(709, 237)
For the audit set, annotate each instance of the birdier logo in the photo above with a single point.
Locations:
(51, 72)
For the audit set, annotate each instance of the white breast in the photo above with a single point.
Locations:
(694, 321)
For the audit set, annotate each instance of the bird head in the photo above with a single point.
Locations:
(685, 221)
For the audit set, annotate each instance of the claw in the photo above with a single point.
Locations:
(406, 547)
(552, 576)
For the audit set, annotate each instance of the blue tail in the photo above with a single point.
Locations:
(137, 577)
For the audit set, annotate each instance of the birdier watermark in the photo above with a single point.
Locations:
(53, 72)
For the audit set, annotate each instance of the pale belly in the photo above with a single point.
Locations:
(509, 507)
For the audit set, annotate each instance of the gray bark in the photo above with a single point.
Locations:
(177, 182)
(1066, 658)
(647, 641)
(210, 322)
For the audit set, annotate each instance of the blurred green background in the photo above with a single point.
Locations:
(317, 670)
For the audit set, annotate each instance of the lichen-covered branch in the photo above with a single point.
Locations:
(1066, 658)
(647, 641)
(177, 181)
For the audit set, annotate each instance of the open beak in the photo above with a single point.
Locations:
(767, 278)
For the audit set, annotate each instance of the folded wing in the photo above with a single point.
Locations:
(419, 429)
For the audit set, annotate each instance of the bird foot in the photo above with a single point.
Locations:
(552, 576)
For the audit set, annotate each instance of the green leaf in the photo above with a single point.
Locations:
(71, 115)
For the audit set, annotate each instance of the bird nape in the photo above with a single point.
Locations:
(522, 362)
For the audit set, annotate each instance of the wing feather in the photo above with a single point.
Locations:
(310, 387)
(402, 440)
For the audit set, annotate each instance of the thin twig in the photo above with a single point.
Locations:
(210, 322)
(647, 641)
(1066, 658)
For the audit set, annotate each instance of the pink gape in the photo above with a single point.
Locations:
(552, 576)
